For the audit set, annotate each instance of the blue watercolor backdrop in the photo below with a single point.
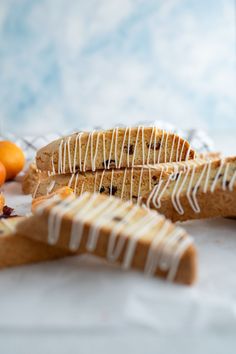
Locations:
(74, 63)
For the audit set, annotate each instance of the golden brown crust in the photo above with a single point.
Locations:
(15, 249)
(38, 224)
(108, 147)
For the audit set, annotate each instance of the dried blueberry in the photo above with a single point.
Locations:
(175, 176)
(130, 150)
(102, 189)
(134, 197)
(111, 164)
(112, 190)
(158, 145)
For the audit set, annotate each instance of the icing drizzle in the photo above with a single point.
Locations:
(143, 178)
(186, 178)
(82, 156)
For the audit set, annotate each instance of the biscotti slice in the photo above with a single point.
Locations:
(40, 183)
(116, 148)
(32, 178)
(203, 191)
(120, 232)
(127, 184)
(16, 249)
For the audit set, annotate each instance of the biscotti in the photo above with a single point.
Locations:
(127, 184)
(116, 148)
(203, 191)
(40, 183)
(16, 249)
(120, 232)
(31, 178)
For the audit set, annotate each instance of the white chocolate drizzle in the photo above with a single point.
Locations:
(138, 178)
(51, 186)
(185, 182)
(81, 156)
(36, 189)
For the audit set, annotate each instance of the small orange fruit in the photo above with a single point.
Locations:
(12, 157)
(2, 174)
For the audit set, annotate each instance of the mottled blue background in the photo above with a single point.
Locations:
(71, 63)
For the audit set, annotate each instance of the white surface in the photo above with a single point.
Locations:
(84, 305)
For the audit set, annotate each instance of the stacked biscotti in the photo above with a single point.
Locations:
(144, 165)
(75, 182)
(123, 162)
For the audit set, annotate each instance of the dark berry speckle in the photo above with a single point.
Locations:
(112, 190)
(102, 189)
(112, 164)
(158, 145)
(130, 150)
(117, 218)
